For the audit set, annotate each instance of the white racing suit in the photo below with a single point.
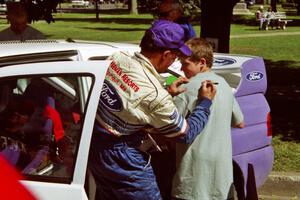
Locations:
(133, 99)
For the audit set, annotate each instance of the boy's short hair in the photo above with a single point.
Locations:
(201, 49)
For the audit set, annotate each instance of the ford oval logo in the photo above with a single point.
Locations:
(222, 61)
(110, 98)
(254, 76)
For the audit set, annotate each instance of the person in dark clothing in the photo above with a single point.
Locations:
(171, 10)
(12, 137)
(19, 29)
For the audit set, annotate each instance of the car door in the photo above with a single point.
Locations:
(64, 97)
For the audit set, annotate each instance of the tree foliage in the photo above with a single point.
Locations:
(148, 6)
(39, 9)
(191, 8)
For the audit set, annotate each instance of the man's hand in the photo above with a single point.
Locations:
(174, 89)
(208, 90)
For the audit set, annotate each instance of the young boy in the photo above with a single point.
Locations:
(204, 167)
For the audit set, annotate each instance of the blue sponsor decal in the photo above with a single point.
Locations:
(222, 61)
(174, 115)
(254, 76)
(110, 98)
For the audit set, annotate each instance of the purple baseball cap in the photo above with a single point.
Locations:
(170, 35)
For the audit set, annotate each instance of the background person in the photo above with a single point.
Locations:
(260, 16)
(270, 16)
(12, 137)
(204, 167)
(19, 29)
(133, 101)
(171, 10)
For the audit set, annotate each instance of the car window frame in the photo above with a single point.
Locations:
(98, 81)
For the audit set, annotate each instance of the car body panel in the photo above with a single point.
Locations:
(50, 191)
(245, 74)
(262, 162)
(84, 48)
(74, 190)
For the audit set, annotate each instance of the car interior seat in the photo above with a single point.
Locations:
(11, 155)
(41, 125)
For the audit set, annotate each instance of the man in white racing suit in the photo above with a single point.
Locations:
(133, 101)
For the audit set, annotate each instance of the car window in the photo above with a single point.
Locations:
(41, 119)
(69, 55)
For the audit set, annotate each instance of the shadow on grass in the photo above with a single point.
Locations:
(108, 20)
(119, 11)
(115, 29)
(283, 96)
(283, 72)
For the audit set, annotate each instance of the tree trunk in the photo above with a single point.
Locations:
(133, 7)
(97, 9)
(216, 17)
(298, 7)
(273, 5)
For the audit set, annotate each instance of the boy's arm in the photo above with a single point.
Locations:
(237, 120)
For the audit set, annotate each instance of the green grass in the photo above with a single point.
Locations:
(86, 27)
(287, 155)
(130, 28)
(273, 48)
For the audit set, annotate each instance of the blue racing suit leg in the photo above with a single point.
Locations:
(121, 170)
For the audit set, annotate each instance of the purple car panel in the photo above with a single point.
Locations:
(253, 79)
(262, 162)
(252, 151)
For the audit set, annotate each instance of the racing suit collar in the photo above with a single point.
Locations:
(147, 64)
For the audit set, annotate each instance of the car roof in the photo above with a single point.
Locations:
(16, 52)
(11, 48)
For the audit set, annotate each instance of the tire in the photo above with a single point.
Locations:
(239, 182)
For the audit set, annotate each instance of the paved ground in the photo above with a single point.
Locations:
(281, 186)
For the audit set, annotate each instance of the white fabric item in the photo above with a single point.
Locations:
(144, 101)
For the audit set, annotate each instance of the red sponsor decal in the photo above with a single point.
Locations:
(117, 76)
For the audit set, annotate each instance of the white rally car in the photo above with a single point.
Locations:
(69, 77)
